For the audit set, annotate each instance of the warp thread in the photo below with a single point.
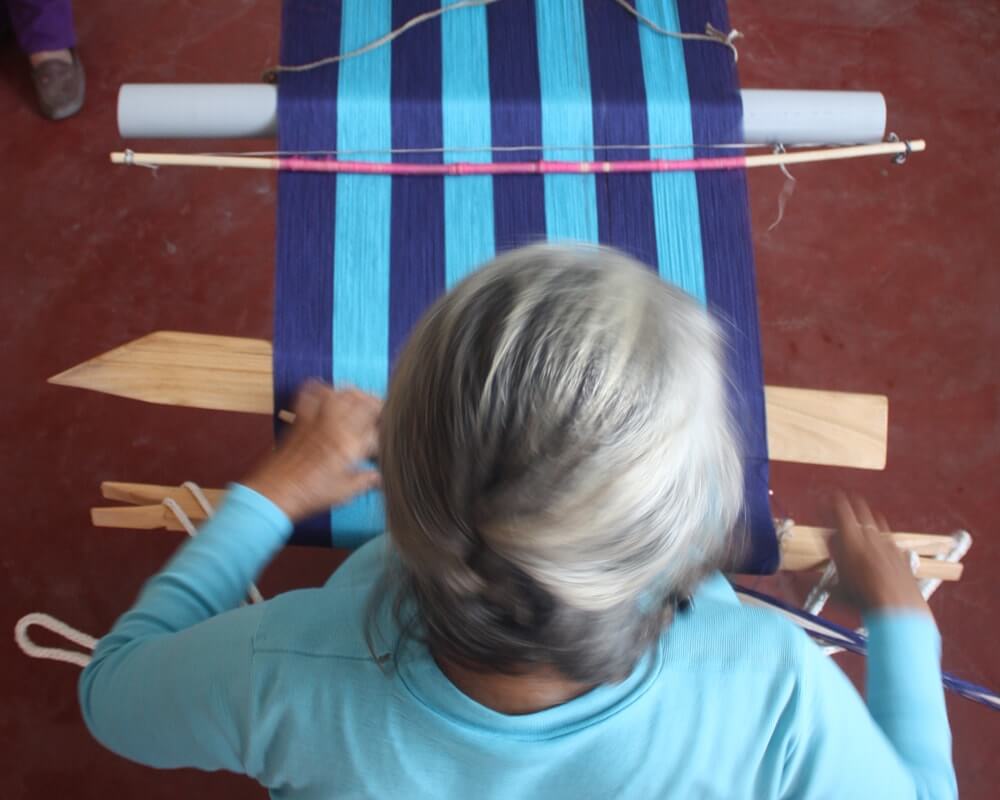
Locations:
(524, 63)
(711, 34)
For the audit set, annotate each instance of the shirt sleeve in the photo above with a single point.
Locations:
(906, 698)
(897, 747)
(170, 685)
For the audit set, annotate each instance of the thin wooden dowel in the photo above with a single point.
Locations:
(809, 541)
(802, 548)
(331, 165)
(837, 153)
(187, 160)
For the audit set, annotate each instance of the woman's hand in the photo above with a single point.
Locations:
(873, 573)
(316, 466)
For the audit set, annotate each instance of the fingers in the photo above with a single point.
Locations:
(882, 522)
(348, 414)
(316, 397)
(361, 482)
(351, 417)
(309, 399)
(864, 515)
(857, 530)
(349, 402)
(847, 521)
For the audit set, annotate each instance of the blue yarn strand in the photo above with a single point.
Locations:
(303, 283)
(465, 83)
(361, 254)
(727, 248)
(567, 119)
(516, 121)
(668, 107)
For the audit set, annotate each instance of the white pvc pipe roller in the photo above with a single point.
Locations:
(198, 111)
(250, 111)
(794, 116)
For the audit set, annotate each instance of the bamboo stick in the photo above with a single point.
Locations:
(304, 164)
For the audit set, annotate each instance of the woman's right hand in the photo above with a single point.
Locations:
(319, 463)
(873, 573)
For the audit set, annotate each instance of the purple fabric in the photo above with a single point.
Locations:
(416, 258)
(303, 320)
(727, 246)
(42, 24)
(625, 215)
(516, 118)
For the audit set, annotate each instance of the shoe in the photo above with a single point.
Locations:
(59, 86)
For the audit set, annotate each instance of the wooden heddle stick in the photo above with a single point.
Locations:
(803, 547)
(227, 373)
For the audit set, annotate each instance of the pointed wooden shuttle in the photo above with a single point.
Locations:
(226, 373)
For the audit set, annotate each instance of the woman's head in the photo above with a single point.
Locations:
(558, 462)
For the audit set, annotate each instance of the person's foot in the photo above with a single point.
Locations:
(59, 82)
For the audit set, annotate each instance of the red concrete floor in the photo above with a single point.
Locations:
(879, 279)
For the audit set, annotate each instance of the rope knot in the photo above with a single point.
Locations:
(728, 39)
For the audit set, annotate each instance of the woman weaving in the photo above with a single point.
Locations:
(545, 616)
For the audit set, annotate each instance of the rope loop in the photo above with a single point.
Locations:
(84, 640)
(60, 628)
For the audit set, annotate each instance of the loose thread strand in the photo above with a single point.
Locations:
(787, 190)
(711, 34)
(271, 74)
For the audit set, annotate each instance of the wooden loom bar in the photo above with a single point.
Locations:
(235, 374)
(303, 164)
(802, 548)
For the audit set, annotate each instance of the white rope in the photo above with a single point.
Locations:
(199, 497)
(84, 640)
(32, 650)
(962, 541)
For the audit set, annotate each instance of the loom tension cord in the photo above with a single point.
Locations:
(900, 158)
(711, 34)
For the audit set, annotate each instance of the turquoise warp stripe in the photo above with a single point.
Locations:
(465, 85)
(361, 248)
(675, 195)
(567, 119)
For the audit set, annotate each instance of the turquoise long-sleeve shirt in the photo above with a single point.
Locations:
(733, 702)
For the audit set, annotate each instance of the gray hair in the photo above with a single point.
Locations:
(559, 464)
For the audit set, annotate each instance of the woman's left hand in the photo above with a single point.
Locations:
(316, 466)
